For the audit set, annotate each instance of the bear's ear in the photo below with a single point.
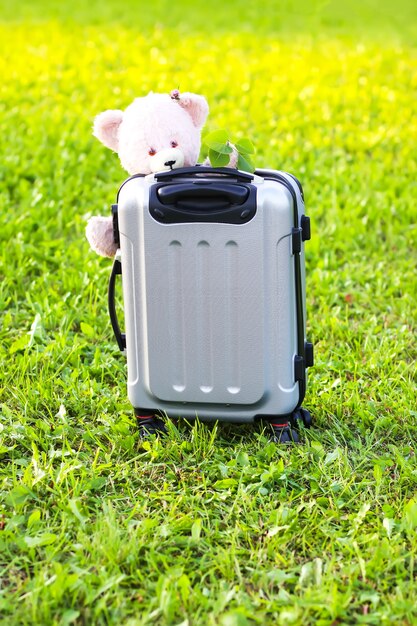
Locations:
(106, 128)
(196, 106)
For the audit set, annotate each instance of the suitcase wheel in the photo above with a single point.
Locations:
(283, 433)
(283, 428)
(304, 416)
(150, 425)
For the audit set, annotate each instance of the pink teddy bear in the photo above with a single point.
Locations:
(156, 132)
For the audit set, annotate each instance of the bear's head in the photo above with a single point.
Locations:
(155, 133)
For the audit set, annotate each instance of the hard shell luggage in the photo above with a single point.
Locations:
(212, 264)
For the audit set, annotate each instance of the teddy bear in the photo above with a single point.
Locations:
(154, 133)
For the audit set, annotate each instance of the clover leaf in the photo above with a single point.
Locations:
(218, 142)
(218, 159)
(219, 147)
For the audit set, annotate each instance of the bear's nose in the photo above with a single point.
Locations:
(170, 163)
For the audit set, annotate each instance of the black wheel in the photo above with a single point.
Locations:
(306, 417)
(296, 417)
(285, 435)
(302, 415)
(151, 425)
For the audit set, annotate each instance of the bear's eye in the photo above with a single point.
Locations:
(174, 144)
(152, 152)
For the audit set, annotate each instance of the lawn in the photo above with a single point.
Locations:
(216, 525)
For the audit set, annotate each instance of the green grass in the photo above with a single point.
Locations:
(216, 525)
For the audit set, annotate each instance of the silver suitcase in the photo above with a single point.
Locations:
(212, 264)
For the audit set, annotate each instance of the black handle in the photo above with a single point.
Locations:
(203, 169)
(120, 337)
(201, 193)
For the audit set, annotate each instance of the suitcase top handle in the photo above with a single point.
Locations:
(203, 194)
(202, 169)
(202, 200)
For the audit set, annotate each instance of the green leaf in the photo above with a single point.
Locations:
(184, 586)
(217, 159)
(5, 449)
(19, 495)
(87, 329)
(41, 540)
(222, 148)
(378, 473)
(226, 483)
(389, 524)
(410, 514)
(95, 484)
(196, 529)
(34, 518)
(218, 141)
(242, 458)
(331, 457)
(234, 619)
(73, 505)
(69, 616)
(244, 164)
(245, 146)
(114, 581)
(20, 344)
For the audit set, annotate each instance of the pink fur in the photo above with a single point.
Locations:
(152, 123)
(157, 132)
(196, 106)
(99, 233)
(106, 128)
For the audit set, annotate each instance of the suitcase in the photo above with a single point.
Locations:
(213, 275)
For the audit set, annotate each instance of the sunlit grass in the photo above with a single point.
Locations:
(213, 526)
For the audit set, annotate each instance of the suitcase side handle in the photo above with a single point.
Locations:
(120, 337)
(203, 169)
